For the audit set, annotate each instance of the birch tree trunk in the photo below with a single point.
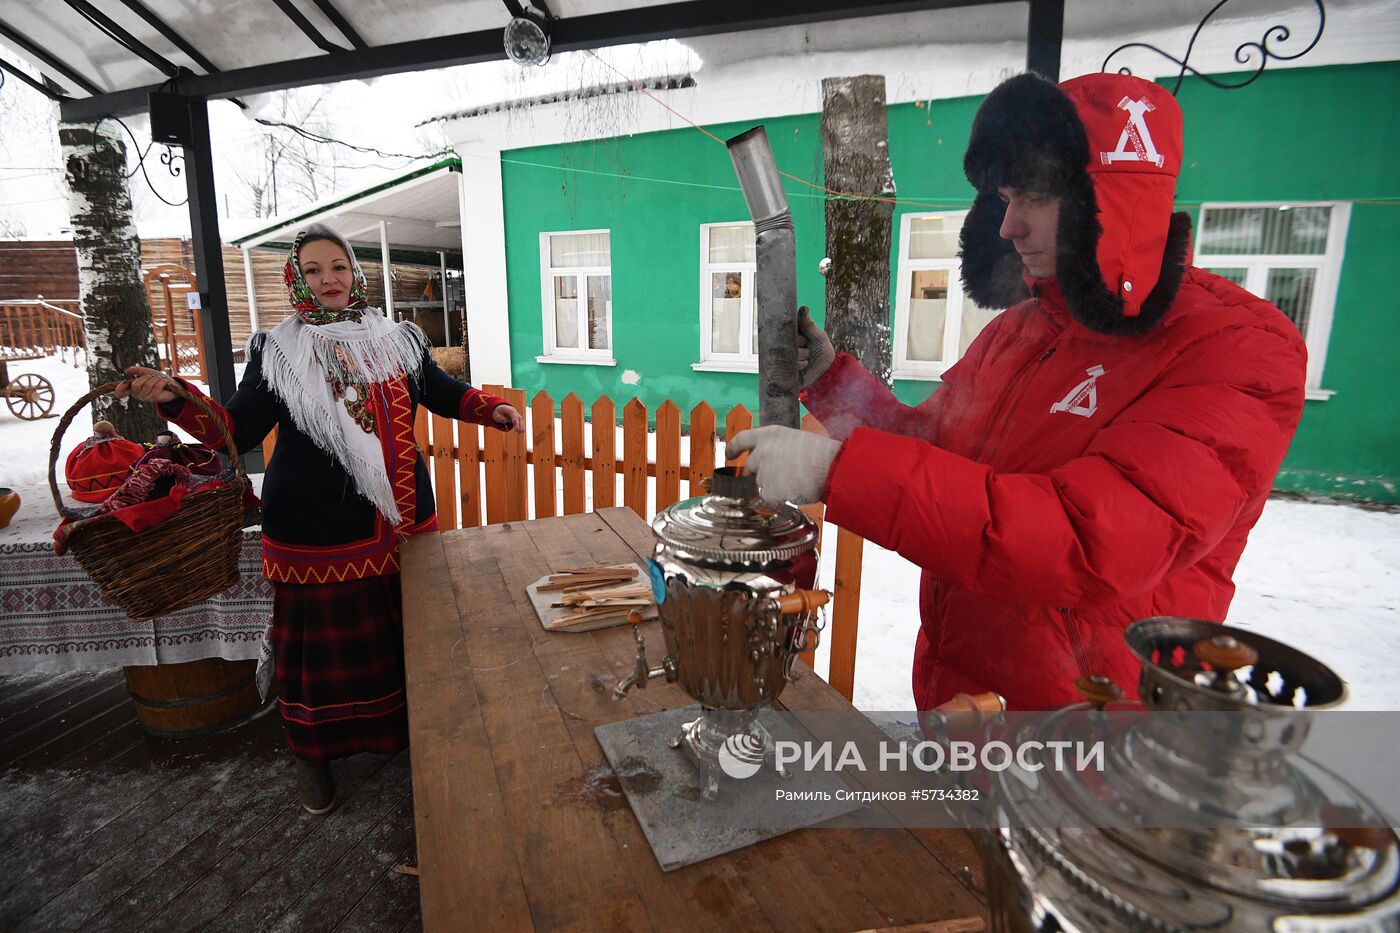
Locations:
(856, 151)
(116, 317)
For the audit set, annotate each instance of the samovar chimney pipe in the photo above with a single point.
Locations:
(776, 277)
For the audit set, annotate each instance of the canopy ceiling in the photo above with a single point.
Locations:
(105, 56)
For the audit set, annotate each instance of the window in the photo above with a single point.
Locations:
(1290, 254)
(933, 323)
(576, 269)
(728, 322)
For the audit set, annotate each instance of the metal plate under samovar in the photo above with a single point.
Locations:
(731, 576)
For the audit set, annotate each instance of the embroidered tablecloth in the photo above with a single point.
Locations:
(54, 618)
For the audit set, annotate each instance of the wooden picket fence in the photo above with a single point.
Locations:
(481, 475)
(30, 329)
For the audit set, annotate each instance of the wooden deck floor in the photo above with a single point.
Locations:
(103, 827)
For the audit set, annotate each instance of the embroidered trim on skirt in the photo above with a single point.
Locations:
(340, 674)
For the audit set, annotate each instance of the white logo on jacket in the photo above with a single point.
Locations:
(1083, 399)
(1135, 134)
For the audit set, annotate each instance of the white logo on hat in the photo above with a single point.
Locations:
(1134, 133)
(1083, 399)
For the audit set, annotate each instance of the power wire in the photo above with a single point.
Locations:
(838, 195)
(318, 138)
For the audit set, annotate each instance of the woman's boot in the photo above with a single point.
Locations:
(315, 786)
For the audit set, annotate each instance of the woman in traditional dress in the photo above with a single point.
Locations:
(342, 385)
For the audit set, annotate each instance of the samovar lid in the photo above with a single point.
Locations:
(1178, 673)
(732, 527)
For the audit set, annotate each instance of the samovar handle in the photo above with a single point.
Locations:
(988, 702)
(803, 601)
(1225, 654)
(1098, 690)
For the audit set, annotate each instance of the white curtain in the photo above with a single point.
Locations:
(565, 312)
(926, 321)
(734, 243)
(578, 250)
(725, 300)
(934, 237)
(599, 309)
(928, 314)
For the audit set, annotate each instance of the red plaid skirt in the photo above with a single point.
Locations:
(340, 676)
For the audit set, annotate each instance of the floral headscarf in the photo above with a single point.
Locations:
(331, 369)
(304, 299)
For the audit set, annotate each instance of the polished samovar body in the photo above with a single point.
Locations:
(731, 575)
(1207, 818)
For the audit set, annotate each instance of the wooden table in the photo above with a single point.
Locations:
(513, 835)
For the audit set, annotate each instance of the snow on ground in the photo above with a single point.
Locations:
(1322, 577)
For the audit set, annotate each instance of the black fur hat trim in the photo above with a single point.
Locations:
(991, 268)
(1027, 134)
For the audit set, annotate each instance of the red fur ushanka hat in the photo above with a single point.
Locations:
(1109, 146)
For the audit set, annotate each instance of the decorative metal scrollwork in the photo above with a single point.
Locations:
(169, 157)
(1244, 53)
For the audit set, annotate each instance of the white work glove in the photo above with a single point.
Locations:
(789, 465)
(815, 354)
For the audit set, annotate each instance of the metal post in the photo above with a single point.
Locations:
(208, 253)
(252, 290)
(1045, 34)
(388, 278)
(446, 318)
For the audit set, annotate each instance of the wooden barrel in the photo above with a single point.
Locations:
(195, 698)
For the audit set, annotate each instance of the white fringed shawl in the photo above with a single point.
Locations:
(298, 362)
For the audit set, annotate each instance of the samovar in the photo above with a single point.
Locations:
(732, 577)
(1206, 817)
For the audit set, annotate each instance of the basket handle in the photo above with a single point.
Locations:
(81, 403)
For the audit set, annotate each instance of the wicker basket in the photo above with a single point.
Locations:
(185, 559)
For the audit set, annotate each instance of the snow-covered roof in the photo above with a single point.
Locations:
(668, 83)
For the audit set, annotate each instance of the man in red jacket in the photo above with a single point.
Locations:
(1102, 450)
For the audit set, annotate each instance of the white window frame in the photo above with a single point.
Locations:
(904, 367)
(1328, 266)
(576, 355)
(710, 360)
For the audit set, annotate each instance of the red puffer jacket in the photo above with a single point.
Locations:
(1073, 474)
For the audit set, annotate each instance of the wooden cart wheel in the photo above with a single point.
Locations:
(30, 396)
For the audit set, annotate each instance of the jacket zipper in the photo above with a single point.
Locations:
(1004, 404)
(1072, 628)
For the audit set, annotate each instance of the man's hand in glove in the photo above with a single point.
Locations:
(790, 465)
(815, 354)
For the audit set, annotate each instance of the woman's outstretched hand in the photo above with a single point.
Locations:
(147, 385)
(509, 418)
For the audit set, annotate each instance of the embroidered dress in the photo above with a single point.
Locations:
(344, 487)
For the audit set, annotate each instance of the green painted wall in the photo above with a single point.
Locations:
(652, 191)
(1302, 134)
(1323, 134)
